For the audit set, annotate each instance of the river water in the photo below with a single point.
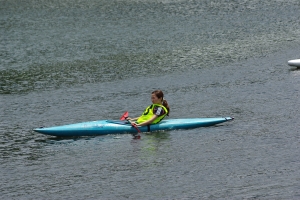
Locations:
(68, 61)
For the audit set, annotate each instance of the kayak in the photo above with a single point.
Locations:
(104, 127)
(295, 63)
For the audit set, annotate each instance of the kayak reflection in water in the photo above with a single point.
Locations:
(154, 113)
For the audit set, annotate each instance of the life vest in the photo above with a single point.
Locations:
(148, 114)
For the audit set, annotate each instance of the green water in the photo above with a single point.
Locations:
(71, 61)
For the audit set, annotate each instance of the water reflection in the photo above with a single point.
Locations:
(151, 147)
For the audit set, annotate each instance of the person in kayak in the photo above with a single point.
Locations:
(154, 113)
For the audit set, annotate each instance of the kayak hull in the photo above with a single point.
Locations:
(104, 127)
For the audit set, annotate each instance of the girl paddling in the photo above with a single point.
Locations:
(154, 113)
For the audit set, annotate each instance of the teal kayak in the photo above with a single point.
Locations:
(104, 127)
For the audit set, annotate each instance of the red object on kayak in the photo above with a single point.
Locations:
(124, 116)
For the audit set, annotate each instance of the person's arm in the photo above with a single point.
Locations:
(132, 119)
(146, 122)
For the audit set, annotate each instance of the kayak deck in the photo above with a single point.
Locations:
(104, 127)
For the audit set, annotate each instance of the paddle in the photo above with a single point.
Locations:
(124, 117)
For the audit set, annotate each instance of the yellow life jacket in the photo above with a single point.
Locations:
(148, 114)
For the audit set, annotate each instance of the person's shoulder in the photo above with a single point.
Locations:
(158, 110)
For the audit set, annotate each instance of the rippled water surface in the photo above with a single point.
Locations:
(70, 61)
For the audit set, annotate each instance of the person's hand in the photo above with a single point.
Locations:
(133, 124)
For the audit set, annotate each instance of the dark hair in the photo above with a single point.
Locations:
(159, 94)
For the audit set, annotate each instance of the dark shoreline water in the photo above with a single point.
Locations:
(71, 61)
